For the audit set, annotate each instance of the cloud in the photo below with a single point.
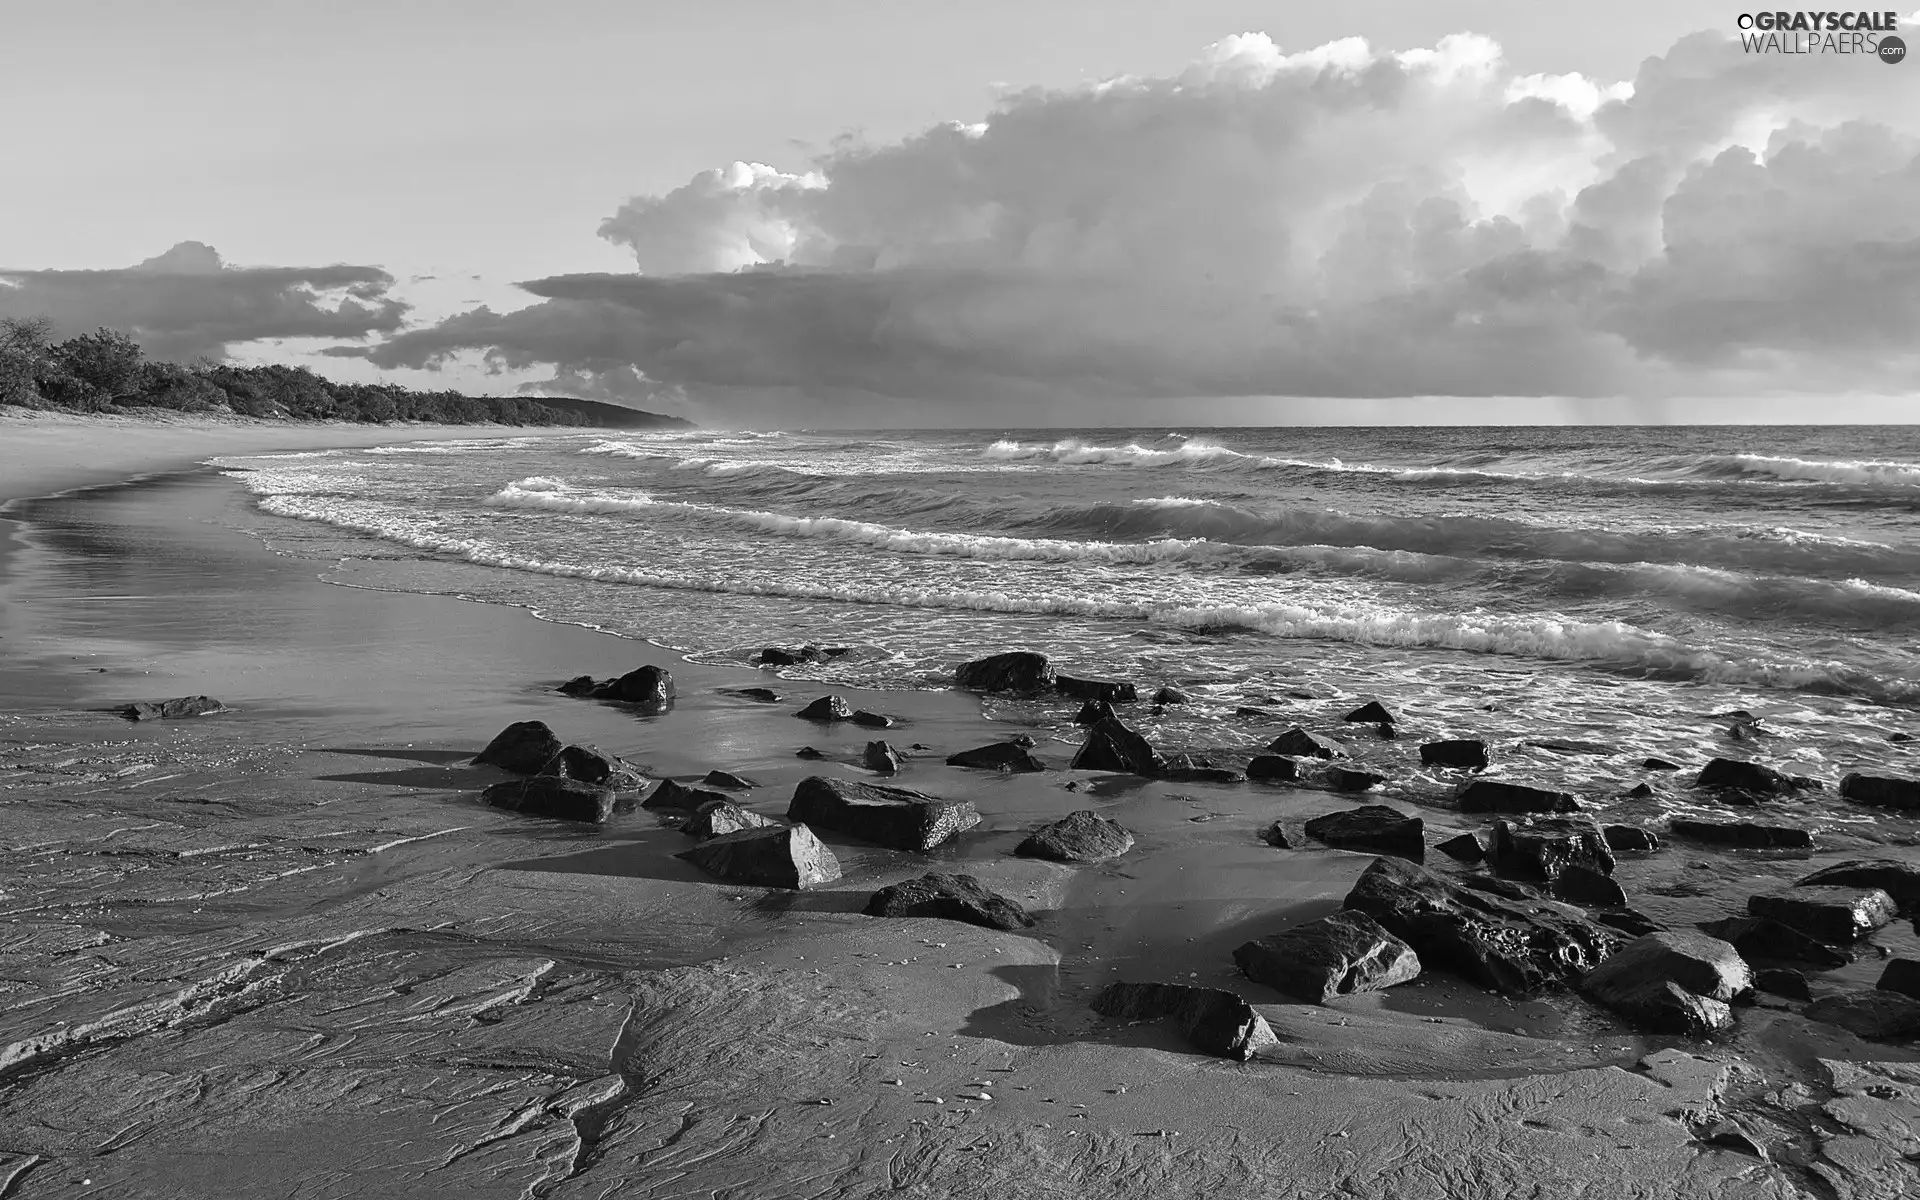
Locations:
(186, 302)
(1338, 222)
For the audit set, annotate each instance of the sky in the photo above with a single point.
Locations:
(921, 212)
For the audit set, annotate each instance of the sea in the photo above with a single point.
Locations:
(1624, 588)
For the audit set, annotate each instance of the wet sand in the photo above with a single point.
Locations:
(283, 951)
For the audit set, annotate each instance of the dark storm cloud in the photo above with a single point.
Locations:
(186, 303)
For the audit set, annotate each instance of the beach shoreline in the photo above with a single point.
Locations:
(238, 923)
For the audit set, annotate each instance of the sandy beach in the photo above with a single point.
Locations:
(283, 951)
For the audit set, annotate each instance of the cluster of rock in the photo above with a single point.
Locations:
(172, 710)
(564, 782)
(649, 687)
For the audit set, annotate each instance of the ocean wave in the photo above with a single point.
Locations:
(1075, 452)
(1868, 472)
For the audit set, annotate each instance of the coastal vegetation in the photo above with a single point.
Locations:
(106, 372)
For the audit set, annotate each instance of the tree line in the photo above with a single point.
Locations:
(105, 372)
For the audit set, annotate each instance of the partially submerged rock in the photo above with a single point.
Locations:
(1375, 828)
(718, 818)
(997, 756)
(1298, 743)
(1881, 791)
(950, 898)
(1083, 836)
(783, 856)
(727, 780)
(1513, 946)
(888, 816)
(871, 720)
(522, 747)
(1215, 1021)
(1495, 796)
(1762, 939)
(1739, 775)
(1870, 1013)
(649, 687)
(1898, 879)
(1742, 833)
(1273, 768)
(1544, 847)
(1783, 981)
(1111, 746)
(1673, 982)
(1170, 695)
(1577, 884)
(1630, 839)
(881, 758)
(1112, 691)
(1466, 848)
(826, 709)
(1189, 768)
(552, 796)
(178, 708)
(1093, 712)
(1835, 915)
(1338, 955)
(1349, 779)
(678, 797)
(1901, 975)
(1371, 713)
(590, 764)
(1014, 671)
(1466, 754)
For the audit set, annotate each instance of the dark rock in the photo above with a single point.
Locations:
(871, 720)
(1901, 975)
(826, 708)
(1897, 879)
(999, 756)
(1374, 828)
(1465, 848)
(1733, 774)
(1583, 885)
(717, 818)
(759, 694)
(590, 764)
(1187, 768)
(1659, 764)
(808, 753)
(881, 758)
(1493, 796)
(1760, 939)
(1742, 833)
(522, 747)
(886, 816)
(1630, 839)
(1640, 791)
(1082, 836)
(1170, 695)
(1783, 981)
(678, 797)
(1835, 915)
(1275, 835)
(1273, 768)
(173, 710)
(1881, 791)
(1347, 779)
(785, 856)
(1674, 982)
(1385, 730)
(1257, 714)
(1371, 713)
(1899, 739)
(1497, 886)
(1339, 955)
(728, 780)
(1111, 690)
(1111, 746)
(950, 898)
(1014, 671)
(1298, 743)
(1093, 712)
(1629, 921)
(1872, 1014)
(1544, 847)
(780, 656)
(1515, 947)
(579, 685)
(1745, 731)
(1469, 754)
(1023, 740)
(1569, 746)
(1214, 1021)
(649, 687)
(552, 796)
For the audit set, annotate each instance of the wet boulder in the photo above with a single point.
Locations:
(1371, 713)
(871, 720)
(727, 780)
(1739, 775)
(1338, 955)
(950, 898)
(579, 685)
(826, 709)
(1761, 939)
(179, 708)
(1112, 691)
(718, 818)
(808, 753)
(887, 816)
(998, 756)
(1083, 836)
(1881, 791)
(880, 758)
(1350, 779)
(1742, 833)
(1215, 1021)
(1466, 848)
(649, 687)
(1898, 879)
(783, 856)
(783, 656)
(1630, 839)
(1273, 768)
(1544, 847)
(1093, 712)
(1014, 671)
(1870, 1013)
(678, 797)
(1679, 981)
(1275, 835)
(1577, 884)
(1783, 981)
(1298, 743)
(1466, 754)
(1659, 764)
(1189, 768)
(1374, 828)
(522, 747)
(1494, 796)
(1517, 947)
(1170, 695)
(1901, 975)
(758, 695)
(1112, 746)
(590, 764)
(552, 796)
(1835, 915)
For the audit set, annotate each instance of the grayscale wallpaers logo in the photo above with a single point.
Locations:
(1869, 34)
